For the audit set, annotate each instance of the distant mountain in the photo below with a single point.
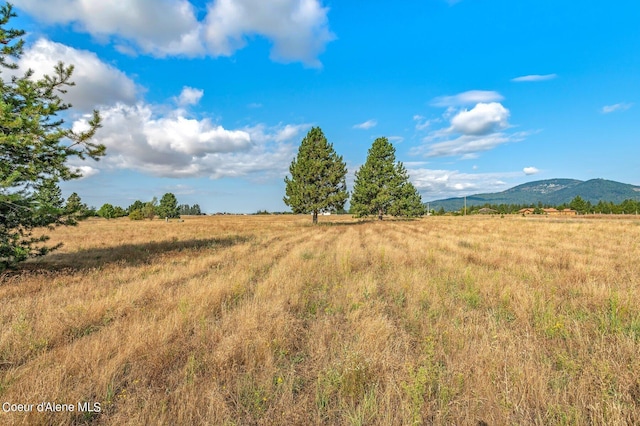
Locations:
(550, 191)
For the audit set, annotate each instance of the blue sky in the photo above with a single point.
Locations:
(210, 99)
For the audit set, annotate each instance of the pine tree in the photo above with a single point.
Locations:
(168, 207)
(34, 149)
(74, 204)
(317, 182)
(49, 202)
(107, 211)
(382, 186)
(408, 201)
(137, 205)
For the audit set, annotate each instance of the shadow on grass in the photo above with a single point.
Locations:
(362, 221)
(346, 223)
(125, 254)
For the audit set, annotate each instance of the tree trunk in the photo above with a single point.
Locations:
(315, 217)
(379, 214)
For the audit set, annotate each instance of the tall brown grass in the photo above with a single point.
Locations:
(268, 320)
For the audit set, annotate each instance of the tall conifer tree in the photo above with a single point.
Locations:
(382, 186)
(34, 149)
(317, 182)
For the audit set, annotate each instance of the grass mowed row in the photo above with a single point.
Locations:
(268, 320)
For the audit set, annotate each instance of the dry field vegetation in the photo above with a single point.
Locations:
(239, 320)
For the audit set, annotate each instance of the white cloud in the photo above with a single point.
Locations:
(534, 78)
(530, 171)
(467, 98)
(156, 139)
(470, 132)
(289, 132)
(481, 119)
(157, 27)
(438, 184)
(190, 96)
(607, 109)
(86, 171)
(297, 29)
(97, 83)
(366, 125)
(175, 145)
(466, 146)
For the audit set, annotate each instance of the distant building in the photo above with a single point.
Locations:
(486, 210)
(555, 212)
(551, 211)
(568, 212)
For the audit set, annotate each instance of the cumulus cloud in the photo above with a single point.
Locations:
(190, 96)
(467, 98)
(437, 184)
(366, 125)
(481, 119)
(157, 139)
(87, 171)
(470, 131)
(607, 109)
(157, 27)
(534, 78)
(97, 83)
(530, 171)
(176, 145)
(297, 29)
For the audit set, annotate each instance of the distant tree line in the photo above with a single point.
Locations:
(167, 207)
(187, 210)
(578, 204)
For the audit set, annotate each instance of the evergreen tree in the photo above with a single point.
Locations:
(317, 182)
(186, 209)
(74, 205)
(34, 149)
(49, 203)
(119, 212)
(382, 186)
(107, 211)
(578, 204)
(137, 205)
(408, 201)
(168, 207)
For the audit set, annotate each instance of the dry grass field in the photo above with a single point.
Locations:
(241, 320)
